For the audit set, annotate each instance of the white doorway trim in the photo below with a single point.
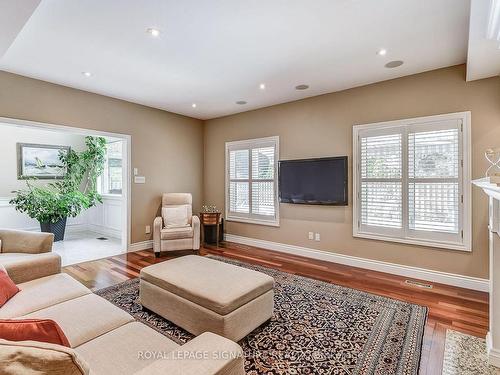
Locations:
(126, 176)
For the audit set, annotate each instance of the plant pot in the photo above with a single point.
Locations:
(58, 228)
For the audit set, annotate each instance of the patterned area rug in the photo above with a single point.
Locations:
(317, 328)
(466, 355)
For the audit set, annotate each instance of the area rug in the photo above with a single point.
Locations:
(466, 355)
(317, 328)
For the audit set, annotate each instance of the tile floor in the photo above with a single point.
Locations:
(84, 246)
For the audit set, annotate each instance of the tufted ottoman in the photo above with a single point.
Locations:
(200, 295)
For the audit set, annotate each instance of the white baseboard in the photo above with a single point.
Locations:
(143, 245)
(461, 281)
(70, 228)
(105, 231)
(493, 354)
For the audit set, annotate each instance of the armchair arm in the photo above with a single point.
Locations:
(33, 267)
(195, 222)
(207, 354)
(157, 225)
(21, 241)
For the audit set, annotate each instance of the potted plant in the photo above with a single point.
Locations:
(53, 203)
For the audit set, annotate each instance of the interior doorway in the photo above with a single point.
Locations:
(98, 232)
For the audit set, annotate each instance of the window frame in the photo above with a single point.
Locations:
(433, 239)
(250, 218)
(102, 178)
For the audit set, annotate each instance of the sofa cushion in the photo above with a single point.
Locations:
(215, 285)
(119, 351)
(43, 330)
(84, 318)
(220, 356)
(41, 293)
(177, 233)
(175, 216)
(26, 267)
(12, 257)
(8, 288)
(40, 358)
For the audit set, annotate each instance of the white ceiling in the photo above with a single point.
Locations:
(483, 58)
(216, 52)
(13, 17)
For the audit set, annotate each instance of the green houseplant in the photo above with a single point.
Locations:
(53, 203)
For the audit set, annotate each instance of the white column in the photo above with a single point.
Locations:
(493, 337)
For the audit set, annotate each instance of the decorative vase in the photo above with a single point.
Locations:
(58, 228)
(493, 171)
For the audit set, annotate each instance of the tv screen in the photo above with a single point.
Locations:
(314, 181)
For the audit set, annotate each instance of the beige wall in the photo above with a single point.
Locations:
(167, 148)
(322, 126)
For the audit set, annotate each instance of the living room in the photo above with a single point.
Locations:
(349, 171)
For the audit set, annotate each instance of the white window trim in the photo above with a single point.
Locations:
(253, 220)
(101, 178)
(466, 243)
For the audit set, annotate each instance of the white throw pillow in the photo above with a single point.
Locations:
(174, 217)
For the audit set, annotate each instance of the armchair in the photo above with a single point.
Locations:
(177, 228)
(28, 255)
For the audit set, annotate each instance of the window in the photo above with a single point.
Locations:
(251, 181)
(412, 181)
(110, 182)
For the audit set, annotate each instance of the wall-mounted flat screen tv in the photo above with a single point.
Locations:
(314, 181)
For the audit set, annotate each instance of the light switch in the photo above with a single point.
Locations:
(136, 171)
(140, 179)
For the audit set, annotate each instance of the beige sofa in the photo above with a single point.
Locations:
(176, 238)
(103, 337)
(19, 248)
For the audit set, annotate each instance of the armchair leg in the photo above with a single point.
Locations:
(157, 254)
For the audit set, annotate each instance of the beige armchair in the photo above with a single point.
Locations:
(27, 255)
(177, 228)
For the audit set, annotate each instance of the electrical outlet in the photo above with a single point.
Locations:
(311, 235)
(317, 237)
(148, 229)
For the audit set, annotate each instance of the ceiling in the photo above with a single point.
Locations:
(216, 52)
(483, 59)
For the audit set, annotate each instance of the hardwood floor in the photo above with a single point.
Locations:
(449, 307)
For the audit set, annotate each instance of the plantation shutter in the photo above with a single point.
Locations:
(381, 193)
(252, 183)
(434, 171)
(410, 181)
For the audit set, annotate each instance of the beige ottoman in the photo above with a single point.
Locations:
(200, 295)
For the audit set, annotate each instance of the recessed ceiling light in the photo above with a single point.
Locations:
(87, 74)
(301, 87)
(382, 52)
(262, 86)
(193, 105)
(394, 64)
(241, 102)
(154, 32)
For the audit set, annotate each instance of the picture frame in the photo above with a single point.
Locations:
(40, 161)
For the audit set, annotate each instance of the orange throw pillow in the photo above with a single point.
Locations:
(42, 330)
(7, 287)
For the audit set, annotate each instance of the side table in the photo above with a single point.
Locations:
(210, 218)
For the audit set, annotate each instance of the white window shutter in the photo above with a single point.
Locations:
(381, 181)
(433, 178)
(251, 181)
(412, 181)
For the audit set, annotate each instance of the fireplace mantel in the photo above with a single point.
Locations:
(493, 337)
